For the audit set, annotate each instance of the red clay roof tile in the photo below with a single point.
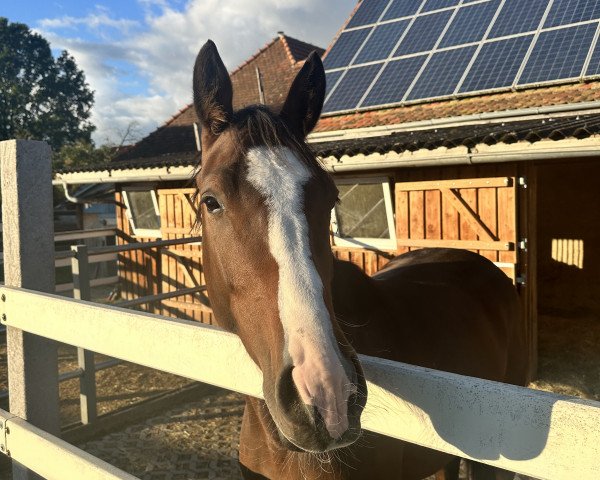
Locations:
(538, 97)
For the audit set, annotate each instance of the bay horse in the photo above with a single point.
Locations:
(302, 315)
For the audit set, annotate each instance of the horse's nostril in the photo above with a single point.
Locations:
(287, 393)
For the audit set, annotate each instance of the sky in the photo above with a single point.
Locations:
(138, 55)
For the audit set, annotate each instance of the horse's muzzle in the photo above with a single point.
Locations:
(330, 418)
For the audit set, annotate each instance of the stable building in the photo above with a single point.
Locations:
(446, 124)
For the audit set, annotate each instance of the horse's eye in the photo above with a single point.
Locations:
(212, 204)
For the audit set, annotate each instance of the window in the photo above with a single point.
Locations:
(364, 215)
(143, 213)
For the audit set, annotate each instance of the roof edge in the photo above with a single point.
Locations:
(488, 117)
(108, 175)
(286, 47)
(480, 154)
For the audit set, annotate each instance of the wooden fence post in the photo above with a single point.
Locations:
(28, 224)
(80, 267)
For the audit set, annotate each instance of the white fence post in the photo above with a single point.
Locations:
(80, 267)
(27, 213)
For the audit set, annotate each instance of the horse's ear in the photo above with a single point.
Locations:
(213, 92)
(304, 102)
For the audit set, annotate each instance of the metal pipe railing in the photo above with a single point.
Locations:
(160, 296)
(79, 257)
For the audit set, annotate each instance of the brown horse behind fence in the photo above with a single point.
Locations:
(302, 315)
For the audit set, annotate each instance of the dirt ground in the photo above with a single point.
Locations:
(569, 355)
(197, 440)
(117, 387)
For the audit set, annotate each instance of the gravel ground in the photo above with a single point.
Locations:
(198, 440)
(116, 387)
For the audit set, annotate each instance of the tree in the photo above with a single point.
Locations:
(82, 153)
(41, 97)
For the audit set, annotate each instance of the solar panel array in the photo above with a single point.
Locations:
(393, 52)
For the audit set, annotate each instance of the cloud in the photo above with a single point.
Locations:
(94, 21)
(156, 54)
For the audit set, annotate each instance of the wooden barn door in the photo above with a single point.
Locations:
(181, 264)
(478, 214)
(492, 215)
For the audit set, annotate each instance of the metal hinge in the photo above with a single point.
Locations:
(522, 244)
(521, 280)
(522, 182)
(3, 435)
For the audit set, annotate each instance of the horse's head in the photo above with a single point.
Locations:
(265, 214)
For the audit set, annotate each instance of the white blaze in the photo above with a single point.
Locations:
(309, 339)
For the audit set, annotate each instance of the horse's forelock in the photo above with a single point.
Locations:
(258, 126)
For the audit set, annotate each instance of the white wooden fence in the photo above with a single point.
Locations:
(539, 434)
(79, 258)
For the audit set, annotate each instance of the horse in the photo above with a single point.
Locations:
(265, 204)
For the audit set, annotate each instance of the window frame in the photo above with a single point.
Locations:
(359, 242)
(141, 232)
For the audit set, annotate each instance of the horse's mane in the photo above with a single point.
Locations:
(258, 125)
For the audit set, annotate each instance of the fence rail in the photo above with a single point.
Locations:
(530, 432)
(60, 461)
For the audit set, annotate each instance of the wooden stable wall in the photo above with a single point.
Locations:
(481, 208)
(182, 264)
(168, 269)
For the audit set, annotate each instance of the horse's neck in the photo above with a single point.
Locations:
(353, 290)
(360, 308)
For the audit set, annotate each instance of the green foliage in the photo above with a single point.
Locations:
(41, 98)
(82, 153)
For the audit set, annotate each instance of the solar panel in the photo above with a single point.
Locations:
(402, 8)
(392, 84)
(368, 12)
(381, 42)
(345, 48)
(470, 24)
(331, 79)
(395, 51)
(423, 33)
(497, 64)
(518, 16)
(559, 54)
(437, 4)
(564, 12)
(594, 66)
(442, 73)
(351, 88)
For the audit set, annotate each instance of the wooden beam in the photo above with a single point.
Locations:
(188, 204)
(175, 191)
(454, 198)
(188, 276)
(51, 457)
(466, 244)
(496, 182)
